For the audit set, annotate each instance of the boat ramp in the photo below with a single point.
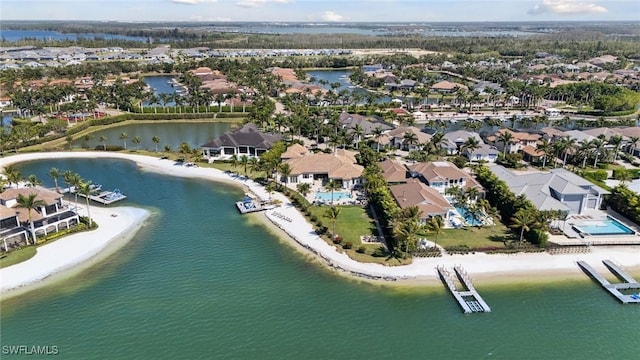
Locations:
(628, 282)
(468, 298)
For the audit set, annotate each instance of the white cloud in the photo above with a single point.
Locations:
(258, 3)
(193, 2)
(332, 16)
(566, 7)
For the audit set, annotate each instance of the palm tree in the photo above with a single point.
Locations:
(76, 180)
(85, 189)
(377, 134)
(156, 141)
(136, 140)
(505, 138)
(597, 146)
(332, 213)
(54, 174)
(407, 233)
(633, 140)
(522, 220)
(234, 161)
(304, 189)
(357, 132)
(124, 137)
(103, 140)
(435, 225)
(88, 138)
(616, 141)
(333, 185)
(244, 161)
(33, 181)
(567, 144)
(546, 147)
(285, 171)
(13, 174)
(470, 145)
(410, 138)
(30, 202)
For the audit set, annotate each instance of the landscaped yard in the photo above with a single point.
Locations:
(352, 222)
(474, 237)
(17, 256)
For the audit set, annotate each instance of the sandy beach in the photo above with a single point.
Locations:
(117, 225)
(500, 267)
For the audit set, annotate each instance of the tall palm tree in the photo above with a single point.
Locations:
(124, 137)
(332, 213)
(470, 145)
(85, 189)
(285, 170)
(76, 180)
(407, 233)
(254, 165)
(136, 140)
(409, 139)
(377, 134)
(616, 141)
(567, 144)
(244, 161)
(523, 220)
(505, 138)
(33, 181)
(156, 141)
(54, 174)
(597, 145)
(333, 185)
(30, 202)
(633, 140)
(234, 161)
(435, 225)
(546, 147)
(304, 189)
(103, 140)
(13, 174)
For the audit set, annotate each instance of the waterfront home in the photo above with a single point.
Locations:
(442, 175)
(369, 123)
(394, 171)
(399, 139)
(247, 140)
(5, 101)
(294, 151)
(446, 87)
(428, 200)
(517, 143)
(631, 132)
(558, 189)
(322, 167)
(485, 153)
(51, 217)
(12, 234)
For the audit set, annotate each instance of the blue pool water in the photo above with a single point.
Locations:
(468, 217)
(337, 195)
(609, 226)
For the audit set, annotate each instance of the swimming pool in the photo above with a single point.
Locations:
(337, 195)
(609, 226)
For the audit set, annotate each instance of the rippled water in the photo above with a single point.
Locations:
(202, 281)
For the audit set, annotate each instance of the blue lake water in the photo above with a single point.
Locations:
(201, 281)
(161, 84)
(16, 35)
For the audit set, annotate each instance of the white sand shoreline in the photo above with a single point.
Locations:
(496, 266)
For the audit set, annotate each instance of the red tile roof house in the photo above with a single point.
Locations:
(428, 200)
(442, 175)
(51, 217)
(341, 167)
(517, 143)
(446, 87)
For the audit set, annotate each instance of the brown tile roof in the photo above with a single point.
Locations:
(531, 151)
(294, 151)
(285, 73)
(399, 133)
(393, 171)
(442, 171)
(517, 136)
(415, 193)
(48, 196)
(6, 212)
(447, 85)
(335, 166)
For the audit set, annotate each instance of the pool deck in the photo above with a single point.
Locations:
(572, 237)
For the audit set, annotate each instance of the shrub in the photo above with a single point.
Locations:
(361, 249)
(598, 175)
(337, 239)
(313, 218)
(347, 245)
(379, 252)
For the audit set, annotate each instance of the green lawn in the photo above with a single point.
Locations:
(474, 237)
(17, 256)
(352, 223)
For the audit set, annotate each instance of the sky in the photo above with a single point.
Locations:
(321, 11)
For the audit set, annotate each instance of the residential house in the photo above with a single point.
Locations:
(394, 171)
(429, 201)
(5, 101)
(247, 140)
(369, 124)
(442, 175)
(12, 234)
(446, 87)
(457, 138)
(51, 217)
(517, 143)
(396, 138)
(294, 151)
(485, 153)
(323, 167)
(558, 189)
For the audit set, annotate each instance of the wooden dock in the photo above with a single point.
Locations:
(468, 298)
(629, 283)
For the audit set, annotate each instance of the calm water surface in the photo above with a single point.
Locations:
(172, 134)
(201, 281)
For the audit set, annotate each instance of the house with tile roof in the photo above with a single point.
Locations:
(394, 171)
(518, 140)
(396, 138)
(429, 201)
(323, 167)
(558, 189)
(51, 217)
(247, 140)
(368, 123)
(442, 175)
(12, 234)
